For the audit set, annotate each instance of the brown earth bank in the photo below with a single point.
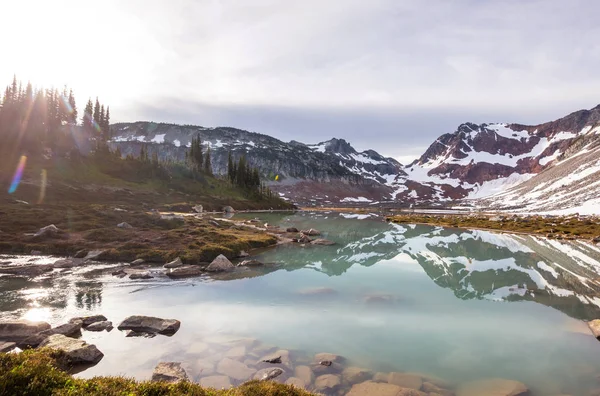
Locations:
(556, 227)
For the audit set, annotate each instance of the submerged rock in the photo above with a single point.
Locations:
(323, 242)
(330, 357)
(185, 271)
(370, 388)
(78, 351)
(169, 372)
(19, 330)
(221, 263)
(493, 387)
(150, 324)
(296, 382)
(174, 264)
(327, 383)
(100, 326)
(250, 263)
(406, 380)
(216, 382)
(305, 374)
(234, 369)
(353, 375)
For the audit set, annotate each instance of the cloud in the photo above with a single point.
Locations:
(387, 74)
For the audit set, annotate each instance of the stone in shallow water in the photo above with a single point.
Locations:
(174, 264)
(185, 271)
(216, 382)
(234, 369)
(150, 324)
(330, 357)
(493, 387)
(78, 351)
(204, 367)
(169, 372)
(369, 388)
(19, 330)
(268, 374)
(88, 320)
(198, 348)
(221, 263)
(305, 374)
(68, 329)
(236, 353)
(327, 383)
(406, 380)
(433, 389)
(296, 382)
(317, 291)
(353, 375)
(100, 326)
(323, 242)
(283, 354)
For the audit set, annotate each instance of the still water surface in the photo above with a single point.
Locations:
(457, 304)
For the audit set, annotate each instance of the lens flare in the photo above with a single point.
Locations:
(65, 102)
(18, 175)
(44, 181)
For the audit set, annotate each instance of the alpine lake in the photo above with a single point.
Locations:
(448, 306)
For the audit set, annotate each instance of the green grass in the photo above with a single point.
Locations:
(42, 373)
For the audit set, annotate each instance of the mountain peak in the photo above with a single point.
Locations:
(339, 146)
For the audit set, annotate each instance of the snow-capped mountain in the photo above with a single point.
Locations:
(513, 166)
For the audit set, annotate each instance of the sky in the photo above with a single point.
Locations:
(389, 75)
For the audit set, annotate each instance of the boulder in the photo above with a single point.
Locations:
(67, 329)
(296, 382)
(133, 333)
(124, 225)
(305, 374)
(406, 380)
(31, 270)
(327, 367)
(150, 324)
(88, 320)
(329, 357)
(169, 372)
(137, 262)
(216, 382)
(93, 255)
(228, 209)
(327, 383)
(100, 326)
(67, 263)
(370, 388)
(291, 229)
(282, 354)
(174, 264)
(221, 263)
(234, 369)
(197, 208)
(141, 275)
(47, 232)
(185, 271)
(594, 326)
(311, 232)
(6, 346)
(250, 263)
(19, 330)
(268, 374)
(304, 239)
(354, 375)
(323, 242)
(77, 351)
(493, 387)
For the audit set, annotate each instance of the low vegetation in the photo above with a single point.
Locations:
(44, 372)
(571, 227)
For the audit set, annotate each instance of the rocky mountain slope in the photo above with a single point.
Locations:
(474, 162)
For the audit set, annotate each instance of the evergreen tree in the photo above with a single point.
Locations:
(96, 114)
(72, 119)
(207, 163)
(107, 122)
(230, 170)
(87, 119)
(101, 123)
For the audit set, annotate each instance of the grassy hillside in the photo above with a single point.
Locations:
(86, 197)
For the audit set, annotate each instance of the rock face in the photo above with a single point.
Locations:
(216, 382)
(19, 330)
(78, 351)
(169, 372)
(493, 387)
(88, 320)
(185, 272)
(221, 263)
(235, 369)
(150, 324)
(174, 264)
(594, 326)
(100, 326)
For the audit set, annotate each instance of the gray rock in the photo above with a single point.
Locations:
(216, 382)
(120, 273)
(137, 262)
(77, 351)
(221, 263)
(67, 263)
(143, 275)
(124, 225)
(291, 229)
(228, 209)
(150, 324)
(6, 346)
(304, 239)
(133, 333)
(19, 330)
(268, 374)
(323, 242)
(48, 231)
(93, 255)
(169, 372)
(243, 254)
(69, 330)
(311, 232)
(88, 320)
(174, 264)
(198, 208)
(185, 272)
(35, 253)
(250, 263)
(100, 326)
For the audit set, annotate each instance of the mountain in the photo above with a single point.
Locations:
(502, 166)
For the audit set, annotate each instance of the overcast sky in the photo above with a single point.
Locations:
(391, 75)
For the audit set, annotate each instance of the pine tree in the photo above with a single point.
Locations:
(143, 154)
(96, 114)
(101, 123)
(87, 119)
(230, 171)
(207, 163)
(107, 122)
(72, 109)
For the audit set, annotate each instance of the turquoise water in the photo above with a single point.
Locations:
(457, 304)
